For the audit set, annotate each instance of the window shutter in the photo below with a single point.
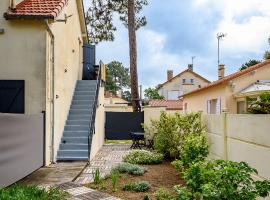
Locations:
(208, 106)
(218, 106)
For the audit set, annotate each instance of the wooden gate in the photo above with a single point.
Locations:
(12, 96)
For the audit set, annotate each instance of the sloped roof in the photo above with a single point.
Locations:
(187, 70)
(230, 77)
(257, 87)
(169, 104)
(47, 9)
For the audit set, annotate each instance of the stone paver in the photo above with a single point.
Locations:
(54, 174)
(105, 160)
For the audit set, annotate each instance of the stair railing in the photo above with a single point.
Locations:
(95, 105)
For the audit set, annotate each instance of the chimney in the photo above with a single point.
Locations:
(169, 74)
(190, 67)
(221, 71)
(12, 4)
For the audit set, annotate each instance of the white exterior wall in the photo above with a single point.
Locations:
(241, 138)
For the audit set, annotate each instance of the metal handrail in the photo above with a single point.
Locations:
(94, 110)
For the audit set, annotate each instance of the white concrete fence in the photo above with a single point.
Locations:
(240, 138)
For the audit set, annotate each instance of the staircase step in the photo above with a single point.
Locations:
(79, 117)
(77, 128)
(72, 153)
(74, 140)
(84, 93)
(79, 107)
(84, 97)
(70, 146)
(80, 111)
(83, 88)
(69, 158)
(84, 82)
(83, 102)
(78, 122)
(76, 134)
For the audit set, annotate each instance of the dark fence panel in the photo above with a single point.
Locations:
(120, 124)
(21, 146)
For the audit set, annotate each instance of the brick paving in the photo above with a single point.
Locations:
(105, 160)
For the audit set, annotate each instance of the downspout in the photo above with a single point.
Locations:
(53, 88)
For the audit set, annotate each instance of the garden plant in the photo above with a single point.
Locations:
(20, 192)
(143, 157)
(130, 169)
(142, 186)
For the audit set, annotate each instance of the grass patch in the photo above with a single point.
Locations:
(118, 142)
(20, 192)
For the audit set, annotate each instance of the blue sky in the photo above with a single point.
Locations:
(180, 29)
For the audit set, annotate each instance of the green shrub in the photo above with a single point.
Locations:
(142, 186)
(260, 105)
(19, 192)
(221, 179)
(143, 157)
(195, 149)
(146, 197)
(163, 194)
(96, 176)
(170, 132)
(130, 169)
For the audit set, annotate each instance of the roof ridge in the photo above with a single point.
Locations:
(232, 76)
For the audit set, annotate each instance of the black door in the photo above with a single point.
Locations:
(11, 96)
(89, 61)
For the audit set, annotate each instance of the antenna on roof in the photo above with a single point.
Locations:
(192, 59)
(220, 36)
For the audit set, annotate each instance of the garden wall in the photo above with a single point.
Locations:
(240, 138)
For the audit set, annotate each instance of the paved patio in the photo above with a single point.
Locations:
(105, 160)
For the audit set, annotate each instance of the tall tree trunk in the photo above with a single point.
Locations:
(133, 57)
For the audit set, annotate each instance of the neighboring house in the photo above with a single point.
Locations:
(184, 82)
(113, 103)
(170, 105)
(229, 92)
(41, 46)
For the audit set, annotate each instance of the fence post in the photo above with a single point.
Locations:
(224, 133)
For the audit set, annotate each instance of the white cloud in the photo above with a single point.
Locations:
(247, 35)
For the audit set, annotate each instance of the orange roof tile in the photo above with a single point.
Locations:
(47, 9)
(230, 77)
(169, 104)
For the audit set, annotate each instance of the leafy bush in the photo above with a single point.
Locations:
(221, 179)
(142, 186)
(194, 149)
(143, 157)
(170, 132)
(260, 105)
(130, 169)
(163, 194)
(19, 192)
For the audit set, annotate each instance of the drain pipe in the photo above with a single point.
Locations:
(53, 89)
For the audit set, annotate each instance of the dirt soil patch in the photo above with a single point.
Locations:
(162, 175)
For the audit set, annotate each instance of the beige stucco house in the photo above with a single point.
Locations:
(229, 92)
(41, 44)
(180, 84)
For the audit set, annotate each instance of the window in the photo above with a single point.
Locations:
(192, 81)
(173, 95)
(183, 80)
(214, 106)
